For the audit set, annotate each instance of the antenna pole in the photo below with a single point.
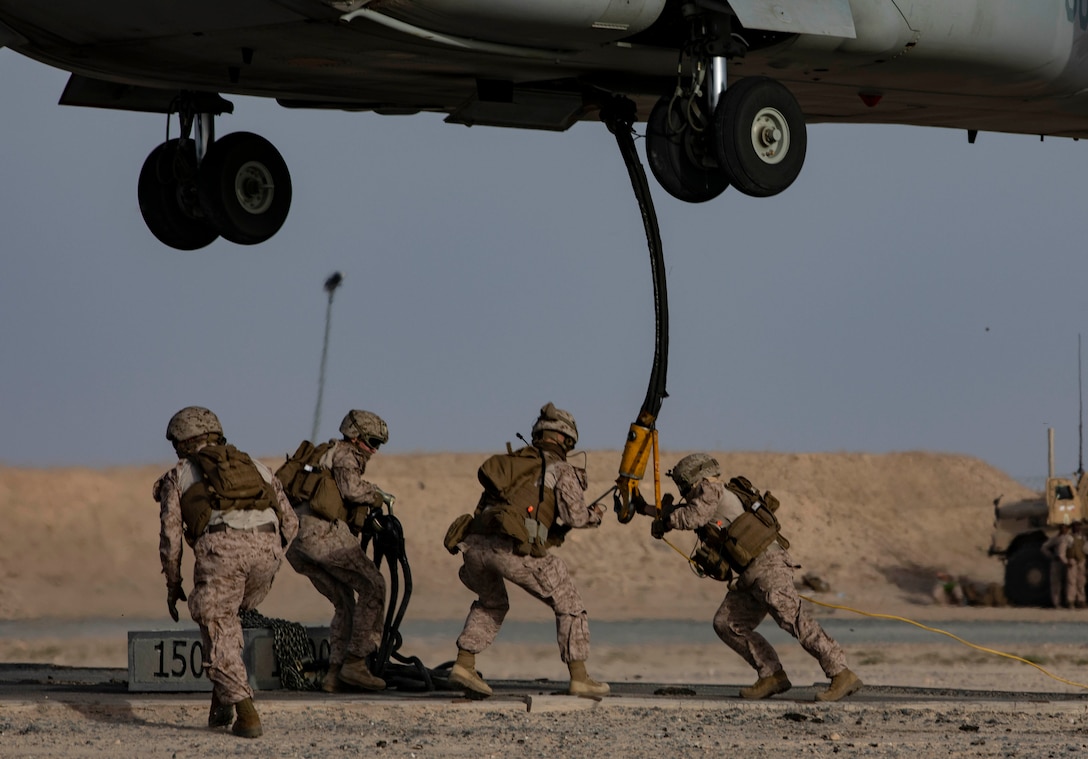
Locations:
(331, 284)
(1080, 426)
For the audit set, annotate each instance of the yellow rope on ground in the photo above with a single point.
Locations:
(957, 638)
(954, 637)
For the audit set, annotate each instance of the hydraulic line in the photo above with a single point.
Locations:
(620, 114)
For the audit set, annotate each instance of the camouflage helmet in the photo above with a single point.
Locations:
(366, 426)
(190, 422)
(552, 418)
(692, 468)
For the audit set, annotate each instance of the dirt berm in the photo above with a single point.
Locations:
(83, 543)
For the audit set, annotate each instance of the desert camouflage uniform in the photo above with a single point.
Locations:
(331, 556)
(489, 561)
(233, 571)
(1058, 549)
(1078, 560)
(766, 586)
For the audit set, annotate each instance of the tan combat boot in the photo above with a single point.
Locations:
(765, 687)
(464, 674)
(330, 683)
(248, 724)
(581, 684)
(355, 672)
(220, 715)
(842, 685)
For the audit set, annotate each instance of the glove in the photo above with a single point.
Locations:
(644, 507)
(174, 593)
(659, 527)
(667, 505)
(387, 498)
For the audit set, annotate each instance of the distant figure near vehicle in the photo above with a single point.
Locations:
(233, 513)
(738, 533)
(947, 591)
(982, 593)
(1076, 571)
(1057, 549)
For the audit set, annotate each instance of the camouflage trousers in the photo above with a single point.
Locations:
(233, 571)
(489, 561)
(332, 558)
(1067, 582)
(1074, 582)
(1059, 579)
(766, 587)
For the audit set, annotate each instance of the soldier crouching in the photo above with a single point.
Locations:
(531, 498)
(764, 585)
(328, 550)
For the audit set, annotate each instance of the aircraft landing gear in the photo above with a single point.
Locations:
(168, 197)
(680, 155)
(192, 191)
(703, 137)
(244, 188)
(760, 136)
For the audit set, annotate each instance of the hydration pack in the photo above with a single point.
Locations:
(230, 481)
(516, 502)
(304, 480)
(746, 537)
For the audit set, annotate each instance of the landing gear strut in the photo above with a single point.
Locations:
(193, 190)
(705, 136)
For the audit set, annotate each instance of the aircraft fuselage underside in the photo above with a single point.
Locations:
(1018, 66)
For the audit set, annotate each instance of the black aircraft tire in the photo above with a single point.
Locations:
(1027, 576)
(245, 188)
(167, 198)
(750, 110)
(674, 160)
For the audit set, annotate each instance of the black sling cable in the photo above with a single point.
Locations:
(387, 534)
(620, 115)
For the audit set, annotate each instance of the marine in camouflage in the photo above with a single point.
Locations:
(765, 587)
(329, 554)
(489, 562)
(233, 570)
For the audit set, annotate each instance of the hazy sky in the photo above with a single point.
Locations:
(910, 291)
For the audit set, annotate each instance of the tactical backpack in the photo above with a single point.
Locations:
(747, 536)
(231, 481)
(305, 480)
(515, 502)
(515, 477)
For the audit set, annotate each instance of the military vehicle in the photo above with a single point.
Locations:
(1021, 528)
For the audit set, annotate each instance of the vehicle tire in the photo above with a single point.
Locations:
(244, 188)
(760, 136)
(1027, 576)
(167, 196)
(679, 157)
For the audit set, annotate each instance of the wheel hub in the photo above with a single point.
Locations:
(254, 188)
(770, 135)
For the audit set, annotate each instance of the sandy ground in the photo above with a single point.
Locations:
(877, 528)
